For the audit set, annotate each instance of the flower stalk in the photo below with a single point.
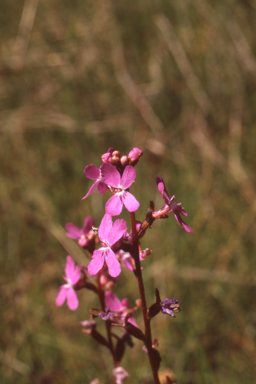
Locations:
(138, 274)
(111, 247)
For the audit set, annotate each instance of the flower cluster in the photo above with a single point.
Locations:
(108, 177)
(110, 244)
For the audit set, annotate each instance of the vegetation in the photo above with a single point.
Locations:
(176, 79)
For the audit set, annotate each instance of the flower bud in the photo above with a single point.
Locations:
(115, 158)
(82, 241)
(124, 161)
(103, 280)
(138, 302)
(146, 252)
(106, 157)
(109, 285)
(88, 326)
(95, 381)
(134, 156)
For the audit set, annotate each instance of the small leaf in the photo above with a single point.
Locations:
(133, 331)
(119, 351)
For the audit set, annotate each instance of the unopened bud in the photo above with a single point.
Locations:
(138, 302)
(82, 241)
(115, 158)
(103, 280)
(88, 326)
(146, 252)
(95, 381)
(91, 235)
(124, 161)
(109, 285)
(106, 157)
(134, 156)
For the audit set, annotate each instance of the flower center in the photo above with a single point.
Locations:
(105, 244)
(69, 282)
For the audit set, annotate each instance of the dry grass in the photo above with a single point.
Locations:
(176, 79)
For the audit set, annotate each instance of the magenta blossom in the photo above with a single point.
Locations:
(94, 173)
(119, 307)
(109, 234)
(81, 234)
(112, 178)
(171, 205)
(67, 291)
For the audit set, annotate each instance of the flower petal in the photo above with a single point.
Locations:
(125, 303)
(113, 264)
(110, 175)
(130, 202)
(127, 263)
(113, 302)
(102, 188)
(91, 189)
(70, 266)
(105, 227)
(92, 172)
(168, 311)
(97, 261)
(88, 223)
(114, 205)
(118, 230)
(162, 189)
(72, 271)
(182, 223)
(133, 321)
(75, 275)
(61, 296)
(72, 299)
(128, 177)
(73, 231)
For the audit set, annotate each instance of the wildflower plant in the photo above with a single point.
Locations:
(119, 246)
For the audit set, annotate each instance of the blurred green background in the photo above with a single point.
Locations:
(178, 80)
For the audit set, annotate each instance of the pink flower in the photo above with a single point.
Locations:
(171, 206)
(126, 256)
(81, 234)
(109, 234)
(67, 290)
(112, 177)
(121, 307)
(94, 173)
(126, 259)
(120, 374)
